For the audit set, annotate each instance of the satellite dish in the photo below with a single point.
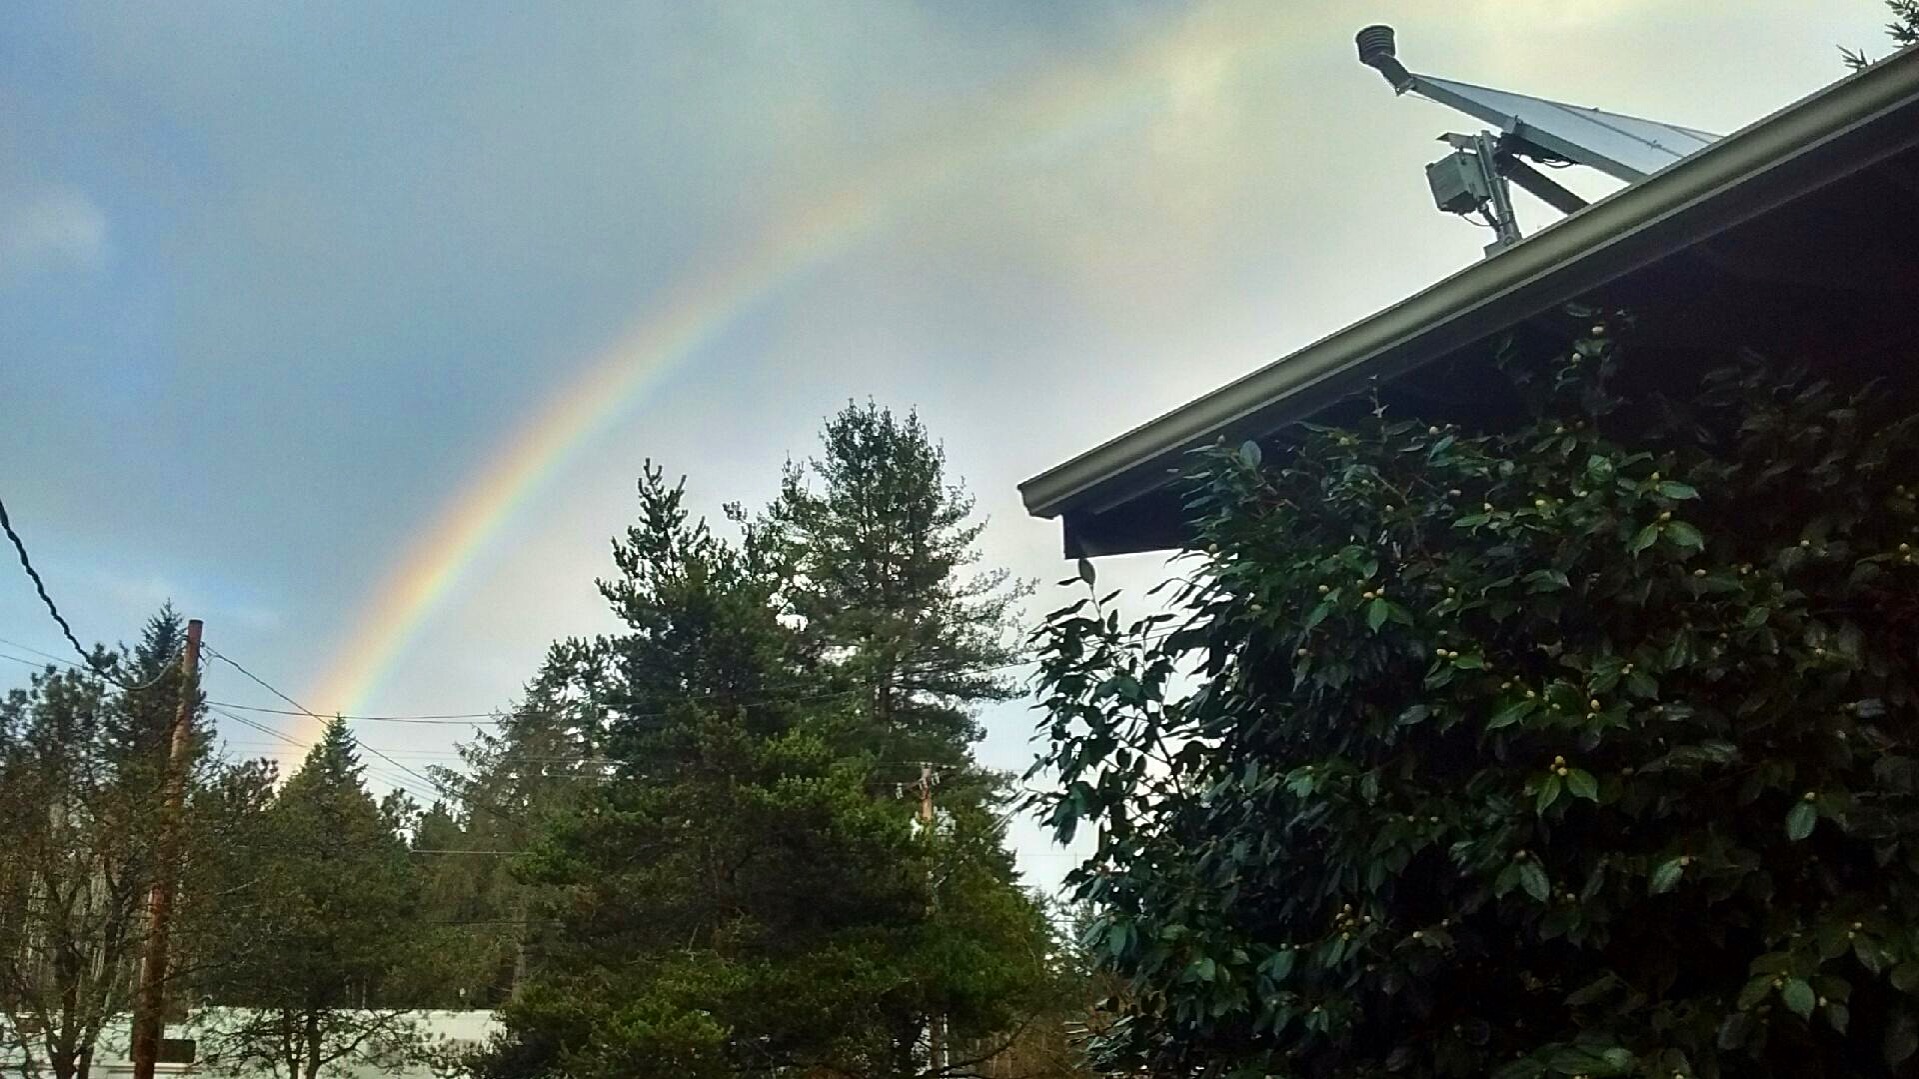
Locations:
(1474, 178)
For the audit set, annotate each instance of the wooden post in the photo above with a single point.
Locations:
(936, 1024)
(149, 1003)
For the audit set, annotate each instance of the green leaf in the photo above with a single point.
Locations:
(1582, 784)
(1905, 977)
(1647, 536)
(1376, 613)
(1799, 997)
(1666, 877)
(1869, 954)
(1319, 614)
(1511, 714)
(1533, 879)
(1673, 489)
(1249, 453)
(1799, 822)
(1549, 793)
(1593, 991)
(1733, 1030)
(1839, 1016)
(1902, 1039)
(1507, 880)
(1547, 580)
(1685, 535)
(1086, 570)
(1278, 965)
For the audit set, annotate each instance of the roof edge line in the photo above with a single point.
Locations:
(1755, 150)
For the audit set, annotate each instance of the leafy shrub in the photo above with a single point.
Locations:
(1585, 747)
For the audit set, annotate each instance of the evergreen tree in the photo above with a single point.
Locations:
(531, 768)
(313, 961)
(733, 898)
(881, 549)
(225, 869)
(1903, 30)
(80, 763)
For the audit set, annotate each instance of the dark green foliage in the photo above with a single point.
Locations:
(877, 547)
(534, 767)
(1586, 748)
(79, 801)
(319, 935)
(1903, 30)
(742, 890)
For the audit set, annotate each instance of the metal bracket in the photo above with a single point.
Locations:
(1471, 180)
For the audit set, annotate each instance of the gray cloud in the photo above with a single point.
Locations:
(51, 228)
(350, 249)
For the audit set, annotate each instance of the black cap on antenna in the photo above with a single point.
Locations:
(1377, 51)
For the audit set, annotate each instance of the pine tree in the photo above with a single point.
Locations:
(733, 898)
(1903, 30)
(532, 768)
(314, 957)
(80, 762)
(882, 552)
(224, 872)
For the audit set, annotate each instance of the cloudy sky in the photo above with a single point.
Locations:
(347, 328)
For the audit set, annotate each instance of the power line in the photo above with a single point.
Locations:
(398, 782)
(494, 718)
(455, 757)
(61, 660)
(84, 667)
(431, 783)
(263, 684)
(498, 716)
(40, 586)
(454, 719)
(431, 791)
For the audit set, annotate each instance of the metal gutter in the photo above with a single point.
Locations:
(1831, 134)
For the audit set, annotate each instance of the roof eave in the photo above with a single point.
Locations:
(1705, 193)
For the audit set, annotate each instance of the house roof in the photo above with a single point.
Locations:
(1773, 204)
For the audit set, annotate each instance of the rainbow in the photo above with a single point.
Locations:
(1043, 119)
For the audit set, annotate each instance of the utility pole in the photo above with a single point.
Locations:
(149, 1004)
(936, 1024)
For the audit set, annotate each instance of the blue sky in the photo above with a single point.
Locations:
(275, 279)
